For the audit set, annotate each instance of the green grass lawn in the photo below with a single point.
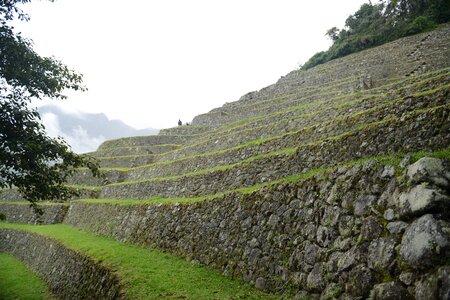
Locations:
(147, 273)
(18, 282)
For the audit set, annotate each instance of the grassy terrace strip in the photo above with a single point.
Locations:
(147, 273)
(398, 80)
(18, 282)
(309, 89)
(392, 160)
(149, 140)
(285, 151)
(372, 92)
(241, 123)
(259, 142)
(141, 147)
(124, 156)
(259, 118)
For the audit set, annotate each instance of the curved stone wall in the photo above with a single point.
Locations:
(69, 274)
(351, 232)
(23, 213)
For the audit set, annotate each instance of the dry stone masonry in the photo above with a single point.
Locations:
(333, 183)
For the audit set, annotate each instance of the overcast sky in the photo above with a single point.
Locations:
(150, 63)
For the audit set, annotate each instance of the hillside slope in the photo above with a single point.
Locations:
(333, 182)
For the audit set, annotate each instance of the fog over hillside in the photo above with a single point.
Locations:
(84, 132)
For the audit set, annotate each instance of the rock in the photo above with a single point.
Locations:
(435, 286)
(407, 278)
(316, 281)
(381, 254)
(348, 260)
(397, 227)
(273, 220)
(389, 214)
(311, 253)
(428, 169)
(332, 291)
(325, 236)
(424, 242)
(254, 256)
(422, 199)
(362, 205)
(371, 229)
(388, 172)
(345, 225)
(360, 281)
(260, 283)
(393, 290)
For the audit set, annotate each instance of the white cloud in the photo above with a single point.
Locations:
(78, 139)
(150, 63)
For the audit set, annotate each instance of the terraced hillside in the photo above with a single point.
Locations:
(332, 183)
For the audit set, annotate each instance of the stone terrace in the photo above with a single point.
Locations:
(296, 188)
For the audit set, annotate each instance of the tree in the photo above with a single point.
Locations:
(333, 33)
(31, 161)
(375, 24)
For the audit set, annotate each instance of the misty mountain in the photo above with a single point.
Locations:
(84, 132)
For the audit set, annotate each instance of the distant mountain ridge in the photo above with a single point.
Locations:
(85, 131)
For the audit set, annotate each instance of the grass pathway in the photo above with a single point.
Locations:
(18, 282)
(147, 273)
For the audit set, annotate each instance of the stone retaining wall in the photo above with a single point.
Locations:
(388, 60)
(310, 134)
(13, 195)
(126, 162)
(23, 213)
(139, 150)
(150, 140)
(69, 274)
(352, 232)
(293, 120)
(84, 177)
(423, 130)
(184, 130)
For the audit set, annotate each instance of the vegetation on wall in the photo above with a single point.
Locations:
(379, 23)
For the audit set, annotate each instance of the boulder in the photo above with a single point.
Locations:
(428, 169)
(435, 286)
(316, 281)
(381, 254)
(422, 199)
(397, 227)
(393, 290)
(424, 242)
(360, 281)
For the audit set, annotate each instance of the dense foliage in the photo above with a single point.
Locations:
(30, 160)
(385, 21)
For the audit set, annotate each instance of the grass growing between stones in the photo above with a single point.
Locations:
(18, 282)
(147, 273)
(389, 160)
